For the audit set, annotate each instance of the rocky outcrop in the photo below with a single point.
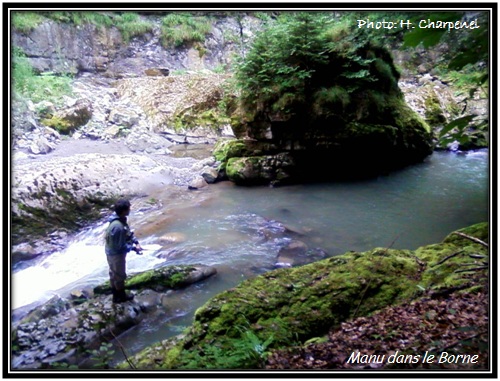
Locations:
(65, 192)
(353, 151)
(64, 331)
(282, 307)
(64, 48)
(349, 120)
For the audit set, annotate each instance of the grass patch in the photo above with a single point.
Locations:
(180, 29)
(27, 84)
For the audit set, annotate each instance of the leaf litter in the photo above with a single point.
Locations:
(445, 325)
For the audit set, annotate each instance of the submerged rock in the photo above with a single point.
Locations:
(284, 306)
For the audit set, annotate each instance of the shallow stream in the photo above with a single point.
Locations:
(221, 226)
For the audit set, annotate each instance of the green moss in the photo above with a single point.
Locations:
(433, 112)
(61, 125)
(480, 231)
(200, 117)
(167, 277)
(250, 170)
(406, 118)
(172, 356)
(227, 149)
(309, 299)
(445, 273)
(297, 304)
(234, 169)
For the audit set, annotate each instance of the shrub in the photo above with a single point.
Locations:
(25, 22)
(130, 25)
(180, 29)
(36, 87)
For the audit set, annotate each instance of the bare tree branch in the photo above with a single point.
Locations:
(448, 257)
(473, 239)
(122, 350)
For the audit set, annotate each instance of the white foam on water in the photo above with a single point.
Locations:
(81, 261)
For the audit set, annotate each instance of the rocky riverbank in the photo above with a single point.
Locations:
(56, 194)
(61, 182)
(64, 331)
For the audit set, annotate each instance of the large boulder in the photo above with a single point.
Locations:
(341, 115)
(331, 151)
(284, 306)
(70, 118)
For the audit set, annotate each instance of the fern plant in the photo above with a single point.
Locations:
(253, 346)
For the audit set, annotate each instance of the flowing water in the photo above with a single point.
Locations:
(222, 226)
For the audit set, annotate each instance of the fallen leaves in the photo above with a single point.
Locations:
(452, 328)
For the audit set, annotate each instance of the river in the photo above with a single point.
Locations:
(221, 226)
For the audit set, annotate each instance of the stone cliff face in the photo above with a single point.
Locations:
(123, 96)
(63, 48)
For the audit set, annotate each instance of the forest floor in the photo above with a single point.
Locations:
(444, 325)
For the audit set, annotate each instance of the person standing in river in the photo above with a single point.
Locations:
(119, 241)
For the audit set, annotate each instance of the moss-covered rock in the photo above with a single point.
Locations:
(163, 278)
(443, 273)
(348, 118)
(69, 119)
(286, 306)
(329, 149)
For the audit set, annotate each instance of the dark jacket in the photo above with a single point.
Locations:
(119, 238)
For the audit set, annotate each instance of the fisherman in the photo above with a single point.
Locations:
(119, 241)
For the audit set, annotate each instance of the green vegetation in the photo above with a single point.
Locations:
(130, 25)
(282, 308)
(321, 65)
(466, 66)
(290, 64)
(25, 22)
(169, 277)
(183, 28)
(178, 29)
(50, 87)
(246, 351)
(309, 64)
(44, 87)
(80, 17)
